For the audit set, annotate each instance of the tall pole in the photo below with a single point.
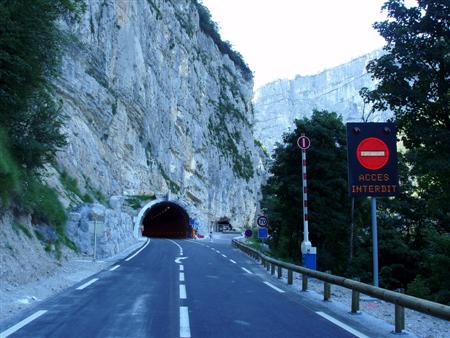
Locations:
(305, 200)
(374, 240)
(95, 241)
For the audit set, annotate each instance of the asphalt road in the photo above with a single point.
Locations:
(180, 288)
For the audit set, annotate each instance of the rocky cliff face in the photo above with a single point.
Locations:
(279, 103)
(155, 109)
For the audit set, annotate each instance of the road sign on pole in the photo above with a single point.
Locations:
(372, 159)
(308, 251)
(262, 233)
(303, 142)
(248, 233)
(372, 168)
(262, 221)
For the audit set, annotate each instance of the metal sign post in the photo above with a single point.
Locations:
(94, 227)
(308, 251)
(374, 241)
(95, 241)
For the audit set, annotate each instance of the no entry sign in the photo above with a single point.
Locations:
(372, 153)
(372, 159)
(303, 142)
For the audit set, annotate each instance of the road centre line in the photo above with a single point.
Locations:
(131, 257)
(342, 325)
(248, 271)
(85, 285)
(183, 291)
(178, 245)
(21, 324)
(224, 256)
(185, 330)
(234, 262)
(181, 276)
(181, 267)
(274, 287)
(114, 268)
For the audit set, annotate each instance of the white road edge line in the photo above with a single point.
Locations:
(342, 325)
(181, 267)
(137, 252)
(181, 276)
(274, 287)
(85, 285)
(114, 268)
(183, 291)
(248, 271)
(232, 261)
(22, 323)
(185, 330)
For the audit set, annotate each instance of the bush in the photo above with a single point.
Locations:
(43, 203)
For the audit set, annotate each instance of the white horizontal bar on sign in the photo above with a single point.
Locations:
(372, 153)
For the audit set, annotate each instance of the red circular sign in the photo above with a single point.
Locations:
(372, 153)
(303, 142)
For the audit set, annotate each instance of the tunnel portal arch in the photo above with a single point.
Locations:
(158, 210)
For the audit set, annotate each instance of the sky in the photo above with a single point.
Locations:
(283, 38)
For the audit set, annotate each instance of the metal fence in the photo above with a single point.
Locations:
(399, 299)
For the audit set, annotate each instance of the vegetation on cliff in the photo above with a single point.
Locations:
(30, 117)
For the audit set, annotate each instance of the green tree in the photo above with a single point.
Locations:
(414, 82)
(329, 205)
(30, 50)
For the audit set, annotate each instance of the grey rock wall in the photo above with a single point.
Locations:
(279, 103)
(155, 108)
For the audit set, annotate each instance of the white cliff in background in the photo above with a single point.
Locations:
(279, 103)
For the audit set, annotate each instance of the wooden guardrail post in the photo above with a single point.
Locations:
(327, 289)
(272, 268)
(290, 277)
(304, 282)
(280, 271)
(355, 301)
(399, 316)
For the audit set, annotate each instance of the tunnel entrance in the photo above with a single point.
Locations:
(166, 220)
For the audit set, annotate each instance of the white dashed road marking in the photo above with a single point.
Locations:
(181, 276)
(183, 291)
(274, 287)
(232, 261)
(224, 256)
(185, 330)
(114, 268)
(181, 267)
(342, 325)
(22, 323)
(248, 271)
(85, 285)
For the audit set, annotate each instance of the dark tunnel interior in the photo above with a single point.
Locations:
(166, 220)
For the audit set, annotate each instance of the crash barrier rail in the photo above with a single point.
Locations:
(399, 299)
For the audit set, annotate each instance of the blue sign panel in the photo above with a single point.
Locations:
(372, 159)
(262, 233)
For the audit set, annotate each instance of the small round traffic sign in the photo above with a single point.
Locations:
(303, 142)
(372, 153)
(248, 233)
(262, 221)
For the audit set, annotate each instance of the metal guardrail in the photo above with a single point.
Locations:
(399, 299)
